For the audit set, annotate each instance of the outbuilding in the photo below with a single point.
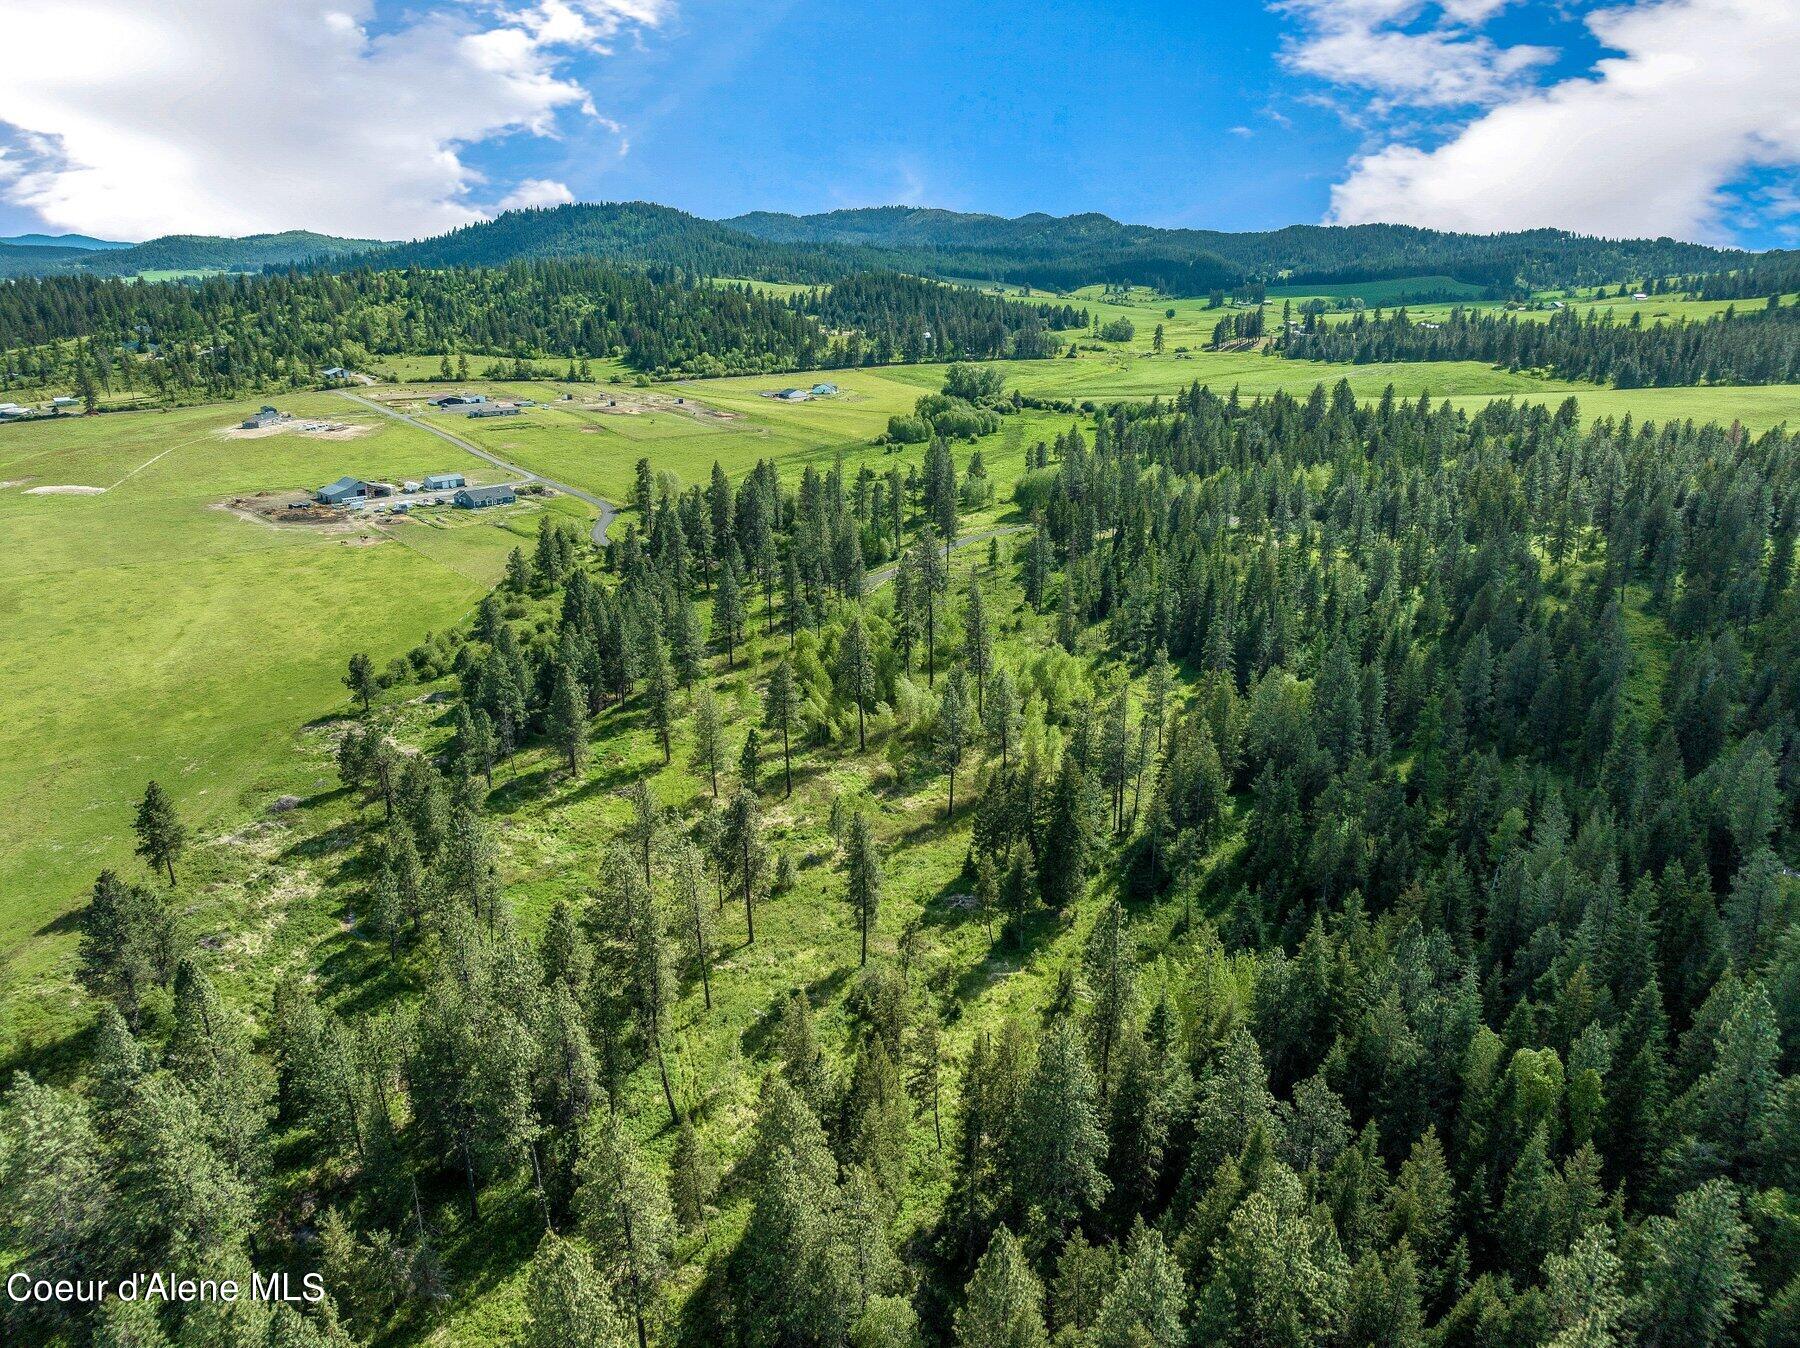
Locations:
(444, 481)
(824, 390)
(479, 498)
(268, 416)
(343, 491)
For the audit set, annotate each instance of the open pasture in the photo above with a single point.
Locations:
(151, 633)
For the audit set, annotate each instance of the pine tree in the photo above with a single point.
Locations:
(361, 680)
(856, 673)
(568, 721)
(1003, 1305)
(659, 692)
(862, 863)
(1697, 1274)
(978, 646)
(161, 836)
(1146, 1304)
(566, 1302)
(951, 738)
(625, 1215)
(781, 703)
(1055, 1144)
(728, 612)
(687, 864)
(742, 843)
(690, 1178)
(129, 943)
(1110, 976)
(709, 736)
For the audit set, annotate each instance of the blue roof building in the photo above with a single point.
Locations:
(479, 498)
(344, 490)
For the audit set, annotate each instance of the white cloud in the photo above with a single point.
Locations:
(536, 192)
(241, 116)
(1380, 46)
(1700, 92)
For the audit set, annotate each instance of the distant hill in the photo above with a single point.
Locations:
(36, 259)
(206, 252)
(1082, 249)
(79, 242)
(634, 232)
(176, 252)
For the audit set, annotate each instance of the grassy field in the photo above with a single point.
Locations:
(152, 634)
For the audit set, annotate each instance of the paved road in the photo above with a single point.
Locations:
(606, 508)
(883, 575)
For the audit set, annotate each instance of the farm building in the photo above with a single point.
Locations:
(12, 411)
(335, 372)
(268, 416)
(343, 491)
(65, 401)
(478, 498)
(495, 412)
(459, 400)
(824, 390)
(444, 481)
(793, 395)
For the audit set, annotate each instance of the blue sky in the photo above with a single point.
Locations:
(365, 117)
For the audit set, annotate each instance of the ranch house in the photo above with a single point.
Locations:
(479, 498)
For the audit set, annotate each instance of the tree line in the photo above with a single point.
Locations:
(1761, 346)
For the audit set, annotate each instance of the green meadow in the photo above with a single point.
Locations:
(152, 633)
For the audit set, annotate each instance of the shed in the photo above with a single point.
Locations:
(444, 481)
(344, 490)
(495, 412)
(824, 390)
(478, 498)
(335, 372)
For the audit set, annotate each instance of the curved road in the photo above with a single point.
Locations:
(608, 511)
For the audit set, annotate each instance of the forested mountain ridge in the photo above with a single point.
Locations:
(994, 247)
(1059, 253)
(634, 232)
(1370, 919)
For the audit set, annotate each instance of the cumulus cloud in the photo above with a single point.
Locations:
(242, 116)
(1406, 52)
(536, 192)
(1648, 142)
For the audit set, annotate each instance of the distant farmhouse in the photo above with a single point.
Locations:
(268, 416)
(444, 481)
(479, 498)
(343, 491)
(459, 400)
